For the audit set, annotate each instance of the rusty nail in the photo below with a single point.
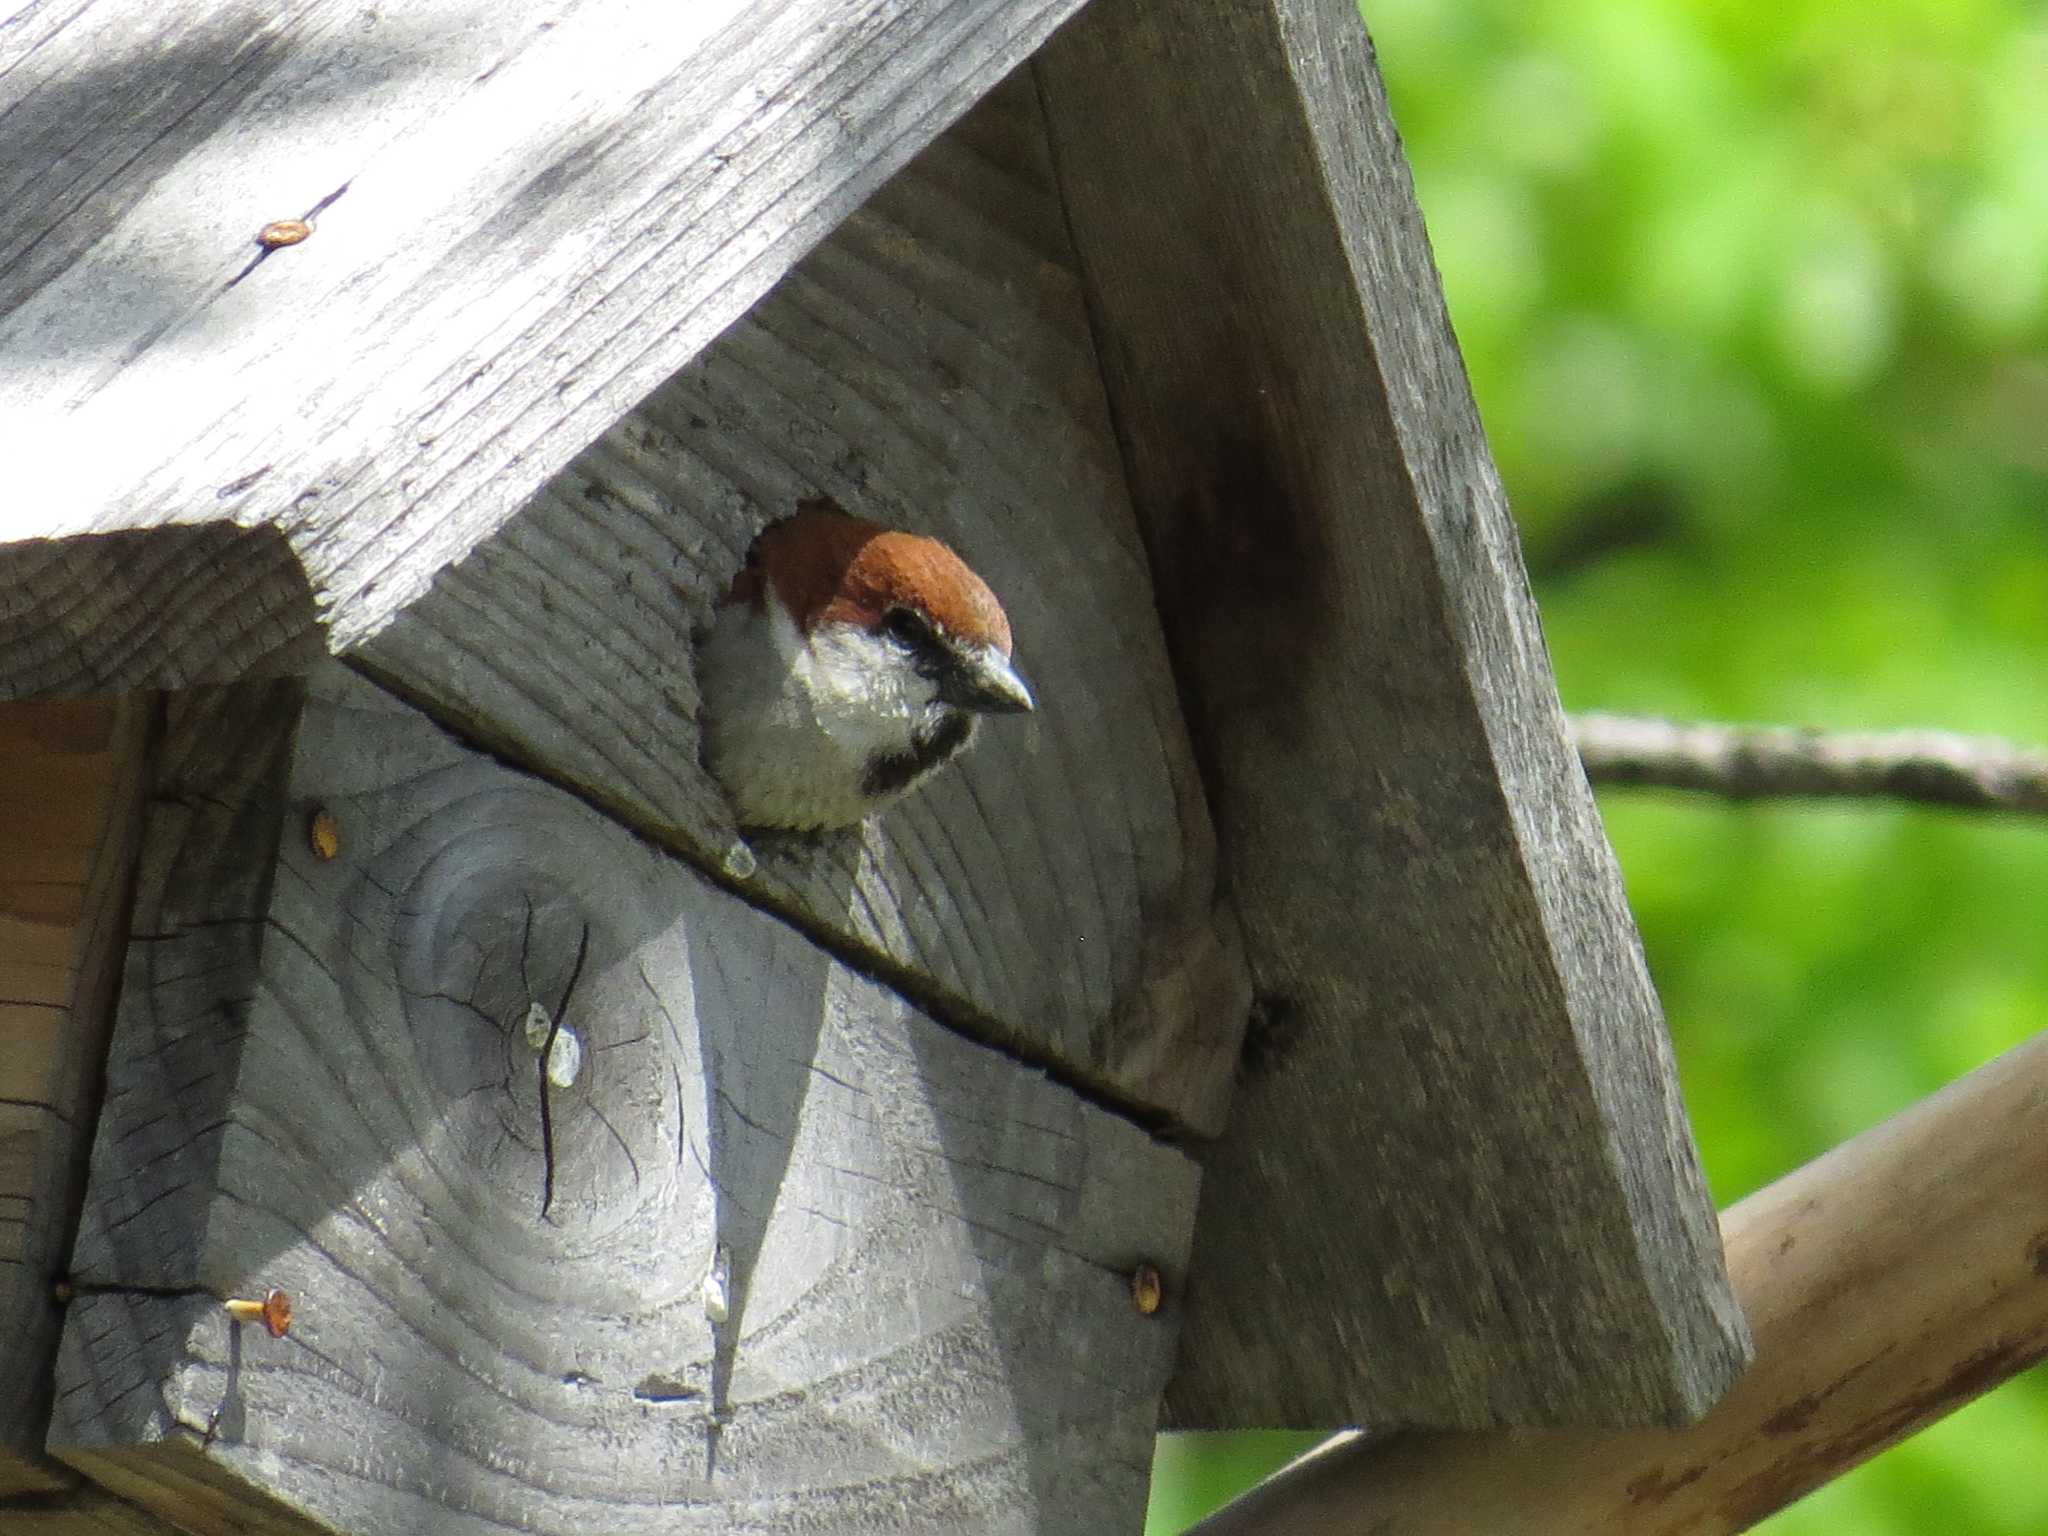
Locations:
(282, 232)
(274, 1311)
(323, 831)
(1148, 1290)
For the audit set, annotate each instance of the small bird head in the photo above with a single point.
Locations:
(840, 576)
(847, 662)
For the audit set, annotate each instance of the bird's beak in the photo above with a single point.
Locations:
(985, 681)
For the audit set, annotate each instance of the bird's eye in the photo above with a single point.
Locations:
(907, 628)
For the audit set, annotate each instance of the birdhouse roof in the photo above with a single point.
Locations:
(522, 219)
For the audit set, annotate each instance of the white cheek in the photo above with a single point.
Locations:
(791, 728)
(866, 693)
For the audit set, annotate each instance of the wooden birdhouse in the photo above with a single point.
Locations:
(1256, 1034)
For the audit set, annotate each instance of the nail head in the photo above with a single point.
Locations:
(282, 232)
(274, 1312)
(1148, 1289)
(323, 831)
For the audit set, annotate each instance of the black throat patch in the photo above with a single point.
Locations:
(938, 738)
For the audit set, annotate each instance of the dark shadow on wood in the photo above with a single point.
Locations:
(114, 612)
(75, 774)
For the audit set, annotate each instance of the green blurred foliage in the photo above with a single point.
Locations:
(1192, 1474)
(1754, 296)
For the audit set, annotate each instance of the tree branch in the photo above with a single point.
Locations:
(1753, 762)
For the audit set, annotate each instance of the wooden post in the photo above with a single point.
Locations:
(71, 781)
(1888, 1283)
(799, 1254)
(1464, 1191)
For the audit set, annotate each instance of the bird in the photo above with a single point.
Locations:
(846, 663)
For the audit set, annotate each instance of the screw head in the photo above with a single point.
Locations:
(1148, 1289)
(323, 833)
(277, 1313)
(282, 232)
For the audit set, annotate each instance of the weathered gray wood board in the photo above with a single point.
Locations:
(322, 1080)
(530, 215)
(72, 774)
(1464, 1193)
(930, 365)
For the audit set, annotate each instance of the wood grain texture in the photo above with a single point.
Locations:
(528, 215)
(88, 1512)
(1465, 1192)
(930, 365)
(1889, 1282)
(926, 1245)
(71, 781)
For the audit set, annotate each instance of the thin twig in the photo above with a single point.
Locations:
(1753, 762)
